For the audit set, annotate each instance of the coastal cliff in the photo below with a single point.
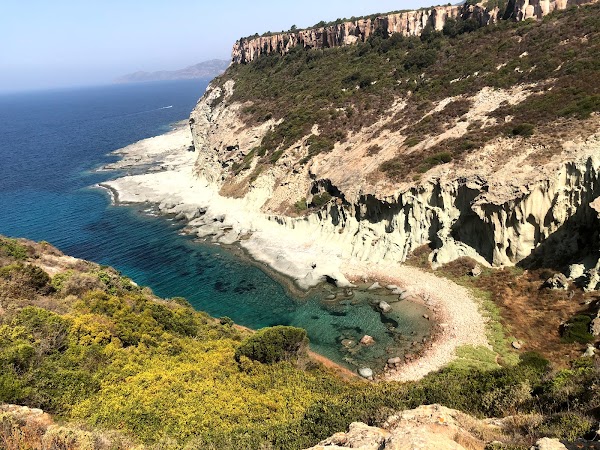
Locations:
(385, 189)
(407, 23)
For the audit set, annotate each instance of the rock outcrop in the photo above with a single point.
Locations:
(536, 9)
(408, 23)
(432, 427)
(496, 209)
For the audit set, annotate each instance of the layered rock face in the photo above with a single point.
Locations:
(536, 9)
(497, 206)
(408, 23)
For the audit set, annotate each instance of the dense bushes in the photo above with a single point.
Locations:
(577, 330)
(272, 345)
(167, 375)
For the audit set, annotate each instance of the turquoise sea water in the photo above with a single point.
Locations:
(50, 144)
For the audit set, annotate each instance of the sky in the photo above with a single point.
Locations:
(61, 43)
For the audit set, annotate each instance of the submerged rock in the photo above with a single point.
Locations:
(348, 343)
(367, 340)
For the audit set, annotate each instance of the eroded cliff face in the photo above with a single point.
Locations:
(408, 23)
(501, 205)
(528, 9)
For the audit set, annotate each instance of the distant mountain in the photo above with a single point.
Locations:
(207, 69)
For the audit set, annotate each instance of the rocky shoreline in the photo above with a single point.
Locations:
(170, 182)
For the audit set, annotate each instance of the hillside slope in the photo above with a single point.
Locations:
(479, 142)
(114, 367)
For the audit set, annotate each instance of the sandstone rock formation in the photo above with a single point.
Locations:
(408, 23)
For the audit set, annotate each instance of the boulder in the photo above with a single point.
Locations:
(374, 286)
(385, 307)
(590, 352)
(548, 444)
(517, 345)
(365, 372)
(591, 280)
(394, 361)
(576, 271)
(359, 436)
(367, 340)
(595, 326)
(475, 271)
(558, 282)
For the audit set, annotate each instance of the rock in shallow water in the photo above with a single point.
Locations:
(367, 340)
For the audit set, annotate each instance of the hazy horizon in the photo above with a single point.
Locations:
(69, 44)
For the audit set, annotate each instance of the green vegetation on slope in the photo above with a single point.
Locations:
(345, 89)
(89, 346)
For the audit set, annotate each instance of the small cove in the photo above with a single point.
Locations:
(50, 144)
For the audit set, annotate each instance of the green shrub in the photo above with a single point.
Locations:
(412, 141)
(27, 277)
(523, 129)
(275, 156)
(318, 144)
(271, 345)
(435, 160)
(577, 330)
(301, 205)
(320, 200)
(566, 426)
(14, 249)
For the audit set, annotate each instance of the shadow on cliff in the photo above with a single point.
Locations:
(576, 239)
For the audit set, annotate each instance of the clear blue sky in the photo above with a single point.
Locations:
(56, 43)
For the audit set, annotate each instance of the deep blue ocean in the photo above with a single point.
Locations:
(50, 144)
